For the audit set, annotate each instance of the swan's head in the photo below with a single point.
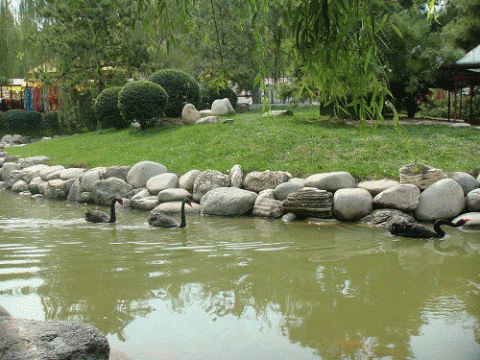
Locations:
(120, 201)
(188, 201)
(461, 222)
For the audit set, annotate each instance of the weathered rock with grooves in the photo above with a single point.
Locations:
(268, 179)
(266, 205)
(385, 217)
(420, 175)
(209, 180)
(309, 202)
(228, 201)
(236, 176)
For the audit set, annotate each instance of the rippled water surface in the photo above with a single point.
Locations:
(242, 288)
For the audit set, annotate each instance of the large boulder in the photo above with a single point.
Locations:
(48, 340)
(175, 207)
(236, 176)
(75, 191)
(375, 187)
(56, 189)
(442, 200)
(284, 189)
(402, 197)
(466, 181)
(473, 200)
(89, 177)
(105, 190)
(258, 181)
(12, 178)
(71, 173)
(352, 204)
(20, 186)
(141, 172)
(386, 217)
(143, 200)
(47, 172)
(228, 201)
(331, 181)
(34, 160)
(8, 167)
(420, 175)
(309, 202)
(209, 180)
(208, 120)
(34, 185)
(160, 182)
(266, 205)
(222, 107)
(120, 171)
(187, 180)
(28, 173)
(177, 194)
(190, 114)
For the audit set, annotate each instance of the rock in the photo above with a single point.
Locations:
(473, 200)
(222, 107)
(28, 173)
(86, 197)
(375, 187)
(89, 177)
(402, 197)
(266, 205)
(187, 180)
(8, 167)
(276, 113)
(473, 220)
(236, 176)
(35, 160)
(331, 181)
(352, 204)
(258, 181)
(160, 182)
(284, 189)
(190, 114)
(71, 173)
(205, 113)
(309, 202)
(144, 200)
(175, 207)
(34, 185)
(385, 217)
(47, 340)
(287, 218)
(45, 174)
(208, 120)
(20, 185)
(142, 171)
(56, 189)
(105, 190)
(209, 180)
(420, 175)
(13, 177)
(120, 172)
(172, 195)
(75, 191)
(442, 200)
(466, 181)
(228, 201)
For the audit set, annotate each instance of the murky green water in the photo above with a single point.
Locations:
(242, 288)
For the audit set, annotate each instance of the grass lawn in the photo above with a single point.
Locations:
(302, 144)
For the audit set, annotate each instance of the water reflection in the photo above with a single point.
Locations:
(330, 291)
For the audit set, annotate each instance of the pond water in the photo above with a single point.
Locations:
(242, 288)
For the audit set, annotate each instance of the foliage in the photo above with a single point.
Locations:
(50, 121)
(142, 101)
(107, 111)
(18, 120)
(209, 95)
(180, 87)
(8, 41)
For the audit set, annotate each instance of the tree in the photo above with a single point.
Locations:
(8, 41)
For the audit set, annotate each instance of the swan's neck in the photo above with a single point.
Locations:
(112, 211)
(183, 221)
(439, 230)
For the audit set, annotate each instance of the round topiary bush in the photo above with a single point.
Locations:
(107, 111)
(20, 120)
(142, 101)
(209, 95)
(181, 89)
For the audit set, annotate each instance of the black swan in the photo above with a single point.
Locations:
(98, 216)
(164, 221)
(414, 230)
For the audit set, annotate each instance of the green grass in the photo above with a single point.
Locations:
(302, 144)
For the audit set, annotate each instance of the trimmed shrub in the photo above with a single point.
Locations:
(209, 95)
(142, 101)
(3, 126)
(18, 120)
(107, 111)
(180, 87)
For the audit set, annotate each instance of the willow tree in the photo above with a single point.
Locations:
(8, 42)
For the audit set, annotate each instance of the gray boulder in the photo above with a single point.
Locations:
(402, 197)
(352, 204)
(222, 107)
(28, 173)
(59, 340)
(208, 120)
(75, 191)
(228, 201)
(331, 181)
(34, 185)
(190, 114)
(12, 178)
(177, 194)
(385, 217)
(55, 169)
(473, 200)
(89, 177)
(144, 200)
(466, 181)
(8, 167)
(120, 172)
(187, 180)
(375, 187)
(160, 182)
(209, 180)
(236, 176)
(142, 171)
(56, 189)
(266, 205)
(309, 202)
(442, 200)
(283, 190)
(20, 185)
(71, 173)
(35, 160)
(175, 207)
(258, 181)
(420, 175)
(105, 190)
